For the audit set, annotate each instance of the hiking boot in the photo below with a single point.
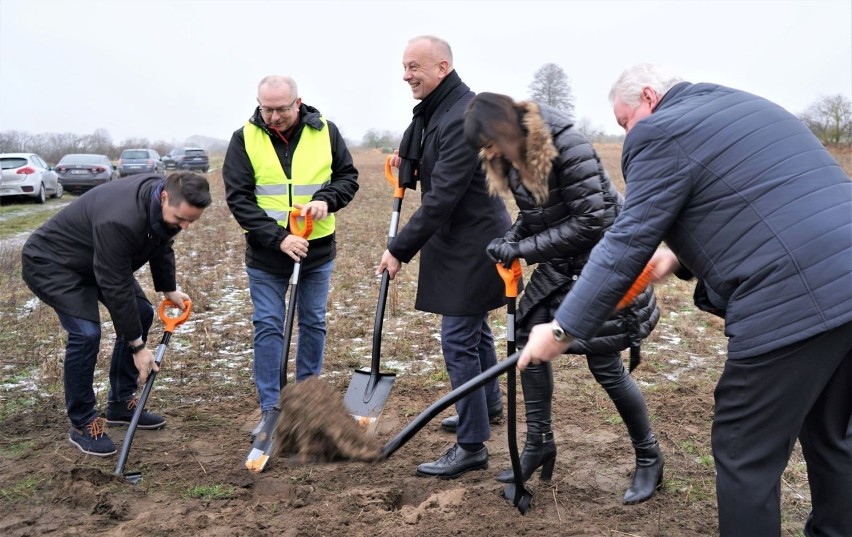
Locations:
(92, 440)
(122, 412)
(260, 425)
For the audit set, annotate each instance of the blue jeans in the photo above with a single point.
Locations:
(468, 347)
(81, 357)
(268, 292)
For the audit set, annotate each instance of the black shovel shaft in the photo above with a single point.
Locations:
(440, 405)
(288, 324)
(140, 407)
(512, 418)
(375, 361)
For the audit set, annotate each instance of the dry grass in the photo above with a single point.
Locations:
(209, 359)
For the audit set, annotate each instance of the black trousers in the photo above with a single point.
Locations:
(765, 402)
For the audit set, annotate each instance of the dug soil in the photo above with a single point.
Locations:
(194, 479)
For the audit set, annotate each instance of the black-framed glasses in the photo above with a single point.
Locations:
(265, 110)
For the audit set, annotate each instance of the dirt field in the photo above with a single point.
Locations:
(194, 480)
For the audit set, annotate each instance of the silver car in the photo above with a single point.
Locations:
(80, 172)
(134, 161)
(27, 174)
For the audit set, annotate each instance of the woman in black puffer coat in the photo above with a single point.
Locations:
(566, 202)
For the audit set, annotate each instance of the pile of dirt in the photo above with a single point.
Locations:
(315, 426)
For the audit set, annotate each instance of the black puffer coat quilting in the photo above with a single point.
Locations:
(566, 205)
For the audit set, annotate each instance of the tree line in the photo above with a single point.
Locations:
(829, 118)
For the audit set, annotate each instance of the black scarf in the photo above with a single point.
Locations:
(411, 147)
(156, 225)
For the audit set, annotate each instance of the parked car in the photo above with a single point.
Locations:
(140, 161)
(80, 172)
(187, 158)
(27, 174)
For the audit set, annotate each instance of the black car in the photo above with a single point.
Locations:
(187, 158)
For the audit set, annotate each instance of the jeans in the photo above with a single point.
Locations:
(81, 357)
(268, 292)
(468, 347)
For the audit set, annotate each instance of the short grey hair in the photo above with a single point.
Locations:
(276, 81)
(442, 48)
(628, 88)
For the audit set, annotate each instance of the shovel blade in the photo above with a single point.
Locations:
(261, 448)
(133, 477)
(520, 497)
(366, 402)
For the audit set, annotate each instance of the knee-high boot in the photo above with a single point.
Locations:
(540, 448)
(609, 371)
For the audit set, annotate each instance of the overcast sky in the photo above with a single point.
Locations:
(169, 69)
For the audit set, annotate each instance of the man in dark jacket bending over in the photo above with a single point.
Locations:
(751, 204)
(88, 253)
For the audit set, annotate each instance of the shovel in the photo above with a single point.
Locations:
(494, 371)
(515, 492)
(368, 392)
(263, 443)
(171, 323)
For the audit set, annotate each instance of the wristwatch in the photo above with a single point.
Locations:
(558, 333)
(136, 348)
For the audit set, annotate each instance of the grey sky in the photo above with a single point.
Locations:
(166, 70)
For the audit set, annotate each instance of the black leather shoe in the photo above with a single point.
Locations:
(454, 463)
(648, 477)
(495, 416)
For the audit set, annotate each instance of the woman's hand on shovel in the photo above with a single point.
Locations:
(144, 362)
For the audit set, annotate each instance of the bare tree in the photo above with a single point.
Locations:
(551, 86)
(592, 132)
(830, 119)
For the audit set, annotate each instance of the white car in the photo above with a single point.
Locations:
(27, 174)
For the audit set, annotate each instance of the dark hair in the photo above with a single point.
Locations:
(490, 116)
(189, 187)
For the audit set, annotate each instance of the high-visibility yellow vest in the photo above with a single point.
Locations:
(310, 169)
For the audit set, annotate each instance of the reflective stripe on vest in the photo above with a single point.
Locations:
(311, 170)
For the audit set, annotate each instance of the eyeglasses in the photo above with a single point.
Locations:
(265, 110)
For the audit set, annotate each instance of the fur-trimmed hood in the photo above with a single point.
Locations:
(539, 153)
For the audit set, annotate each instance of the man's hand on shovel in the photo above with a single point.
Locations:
(145, 363)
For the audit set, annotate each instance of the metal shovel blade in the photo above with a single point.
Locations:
(366, 397)
(133, 477)
(261, 448)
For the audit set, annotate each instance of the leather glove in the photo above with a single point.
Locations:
(502, 251)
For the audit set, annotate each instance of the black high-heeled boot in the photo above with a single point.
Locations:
(539, 452)
(540, 448)
(648, 477)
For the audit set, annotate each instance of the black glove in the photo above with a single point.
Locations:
(502, 251)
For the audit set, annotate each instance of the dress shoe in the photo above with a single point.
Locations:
(454, 463)
(495, 416)
(648, 477)
(539, 452)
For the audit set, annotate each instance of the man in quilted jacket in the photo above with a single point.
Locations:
(751, 205)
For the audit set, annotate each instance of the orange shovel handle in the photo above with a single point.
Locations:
(305, 231)
(173, 322)
(511, 277)
(642, 282)
(398, 191)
